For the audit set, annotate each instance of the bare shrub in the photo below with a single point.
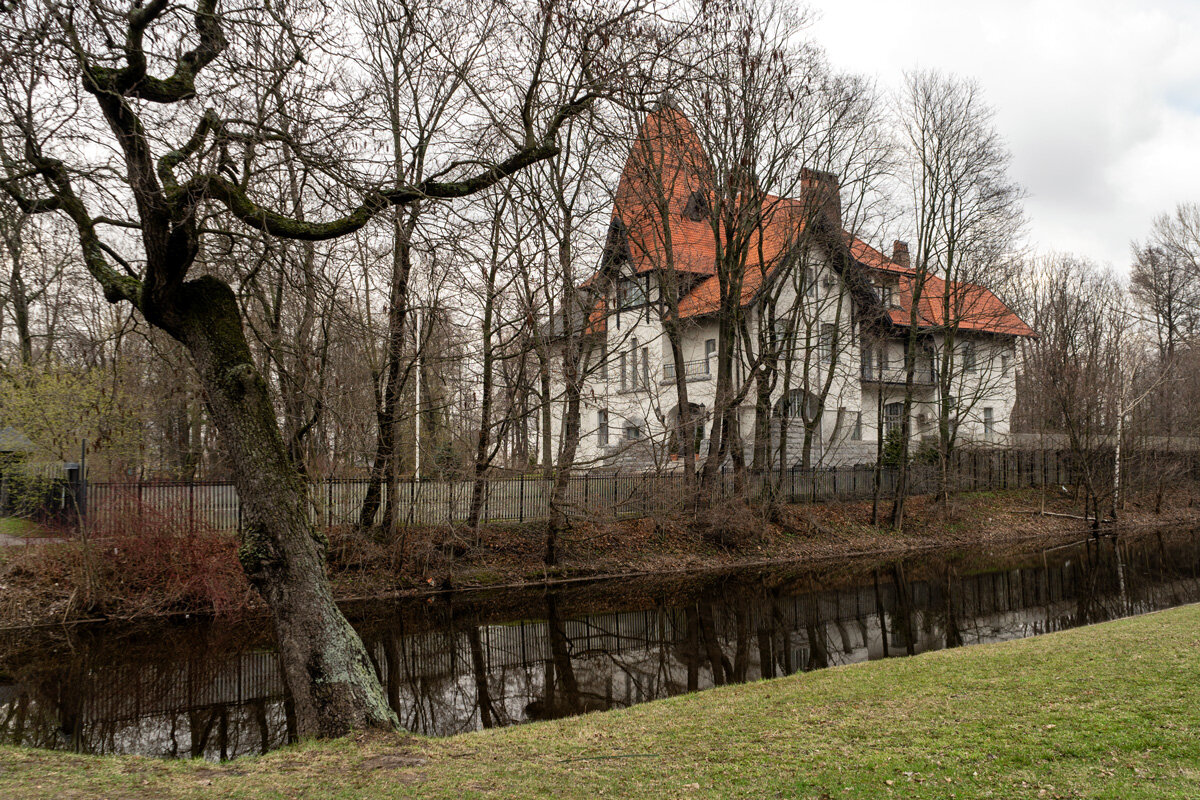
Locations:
(144, 561)
(730, 526)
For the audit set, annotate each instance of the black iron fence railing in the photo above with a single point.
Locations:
(336, 501)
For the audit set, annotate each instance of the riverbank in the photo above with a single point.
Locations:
(151, 567)
(1107, 711)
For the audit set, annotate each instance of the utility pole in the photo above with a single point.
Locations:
(417, 436)
(1117, 445)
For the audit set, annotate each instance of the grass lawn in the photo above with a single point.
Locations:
(16, 526)
(1110, 711)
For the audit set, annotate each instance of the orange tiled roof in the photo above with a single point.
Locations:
(973, 307)
(663, 170)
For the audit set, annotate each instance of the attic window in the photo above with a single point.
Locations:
(697, 206)
(888, 295)
(885, 295)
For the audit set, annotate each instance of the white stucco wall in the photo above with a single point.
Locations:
(648, 405)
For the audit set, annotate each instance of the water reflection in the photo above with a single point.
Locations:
(214, 690)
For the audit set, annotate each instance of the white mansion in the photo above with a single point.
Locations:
(818, 357)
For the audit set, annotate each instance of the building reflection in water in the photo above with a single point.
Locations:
(214, 690)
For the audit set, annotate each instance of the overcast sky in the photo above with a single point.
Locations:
(1099, 100)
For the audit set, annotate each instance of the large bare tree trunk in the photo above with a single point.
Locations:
(333, 684)
(566, 455)
(483, 440)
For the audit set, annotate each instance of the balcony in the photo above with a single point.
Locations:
(925, 375)
(697, 370)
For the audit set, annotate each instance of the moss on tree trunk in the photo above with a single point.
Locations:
(333, 684)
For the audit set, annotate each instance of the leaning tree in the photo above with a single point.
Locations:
(138, 123)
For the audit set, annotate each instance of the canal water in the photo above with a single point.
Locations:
(471, 660)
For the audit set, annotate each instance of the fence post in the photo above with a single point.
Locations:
(521, 510)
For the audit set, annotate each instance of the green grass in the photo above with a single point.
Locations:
(1110, 711)
(16, 526)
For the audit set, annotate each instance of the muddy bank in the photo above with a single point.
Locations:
(160, 574)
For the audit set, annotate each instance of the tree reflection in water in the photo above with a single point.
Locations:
(471, 661)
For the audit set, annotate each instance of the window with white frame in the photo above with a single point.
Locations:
(989, 423)
(602, 427)
(968, 357)
(827, 341)
(893, 416)
(800, 404)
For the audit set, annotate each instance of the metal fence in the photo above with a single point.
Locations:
(336, 501)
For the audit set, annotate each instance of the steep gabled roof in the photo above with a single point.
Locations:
(663, 174)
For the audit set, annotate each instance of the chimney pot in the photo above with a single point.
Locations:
(822, 191)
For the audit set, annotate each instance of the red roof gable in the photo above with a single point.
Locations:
(972, 307)
(665, 168)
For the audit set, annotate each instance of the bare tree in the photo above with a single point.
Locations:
(565, 197)
(93, 71)
(743, 106)
(1165, 279)
(965, 217)
(1077, 364)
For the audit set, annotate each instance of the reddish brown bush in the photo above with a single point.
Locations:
(146, 560)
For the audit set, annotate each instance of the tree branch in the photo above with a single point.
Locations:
(250, 213)
(116, 286)
(132, 79)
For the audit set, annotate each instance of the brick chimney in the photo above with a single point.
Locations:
(900, 253)
(822, 193)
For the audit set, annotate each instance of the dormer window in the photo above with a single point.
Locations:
(630, 293)
(888, 295)
(696, 208)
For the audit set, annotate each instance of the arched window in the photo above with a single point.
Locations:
(795, 403)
